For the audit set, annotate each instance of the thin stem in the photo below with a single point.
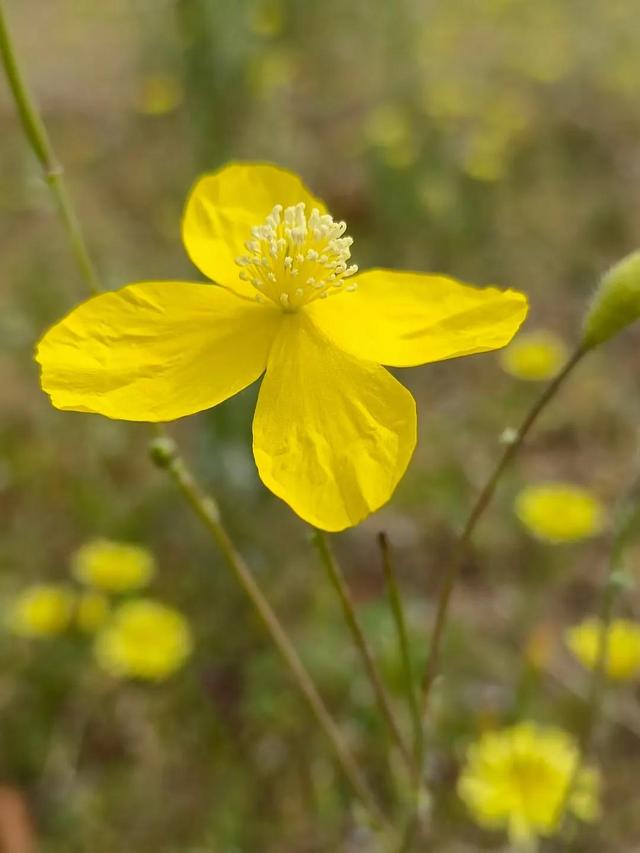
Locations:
(164, 449)
(336, 577)
(397, 609)
(38, 137)
(613, 584)
(206, 508)
(481, 504)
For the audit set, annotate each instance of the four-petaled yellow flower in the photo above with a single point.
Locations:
(560, 512)
(517, 779)
(144, 639)
(622, 645)
(535, 356)
(333, 430)
(113, 566)
(41, 610)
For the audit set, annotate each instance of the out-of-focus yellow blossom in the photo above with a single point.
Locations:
(144, 639)
(622, 660)
(333, 430)
(270, 71)
(266, 18)
(113, 566)
(560, 512)
(516, 779)
(389, 128)
(159, 94)
(92, 610)
(535, 356)
(42, 610)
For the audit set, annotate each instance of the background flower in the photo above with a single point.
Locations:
(144, 639)
(41, 610)
(560, 512)
(113, 566)
(622, 659)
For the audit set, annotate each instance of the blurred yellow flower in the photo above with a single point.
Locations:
(42, 610)
(144, 639)
(333, 430)
(92, 610)
(622, 646)
(517, 779)
(113, 566)
(159, 94)
(560, 512)
(535, 356)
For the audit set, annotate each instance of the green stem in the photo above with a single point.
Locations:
(203, 505)
(613, 584)
(38, 137)
(336, 577)
(397, 609)
(480, 505)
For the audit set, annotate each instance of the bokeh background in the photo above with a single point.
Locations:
(498, 142)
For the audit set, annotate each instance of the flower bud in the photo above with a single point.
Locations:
(616, 303)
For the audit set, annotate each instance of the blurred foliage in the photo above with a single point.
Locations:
(495, 141)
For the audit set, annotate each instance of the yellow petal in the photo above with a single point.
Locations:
(332, 435)
(155, 351)
(404, 318)
(223, 207)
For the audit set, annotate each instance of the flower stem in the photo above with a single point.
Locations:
(397, 609)
(205, 507)
(336, 577)
(480, 505)
(203, 504)
(614, 582)
(38, 137)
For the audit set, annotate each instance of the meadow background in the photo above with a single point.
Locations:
(498, 142)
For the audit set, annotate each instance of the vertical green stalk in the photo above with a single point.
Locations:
(38, 137)
(164, 449)
(615, 581)
(336, 577)
(397, 609)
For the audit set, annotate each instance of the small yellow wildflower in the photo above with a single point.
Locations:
(622, 646)
(333, 430)
(42, 610)
(535, 356)
(92, 610)
(113, 566)
(517, 779)
(560, 512)
(144, 639)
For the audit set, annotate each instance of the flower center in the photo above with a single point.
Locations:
(294, 259)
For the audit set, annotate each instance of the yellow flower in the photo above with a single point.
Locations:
(42, 610)
(333, 430)
(560, 512)
(144, 639)
(92, 611)
(517, 779)
(534, 356)
(113, 566)
(622, 646)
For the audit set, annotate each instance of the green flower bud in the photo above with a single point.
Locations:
(616, 303)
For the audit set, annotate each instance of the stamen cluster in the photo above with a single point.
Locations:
(293, 260)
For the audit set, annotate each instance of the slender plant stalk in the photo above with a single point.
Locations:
(614, 582)
(38, 137)
(453, 570)
(164, 450)
(206, 508)
(336, 577)
(397, 609)
(480, 505)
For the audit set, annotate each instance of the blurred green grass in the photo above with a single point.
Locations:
(495, 142)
